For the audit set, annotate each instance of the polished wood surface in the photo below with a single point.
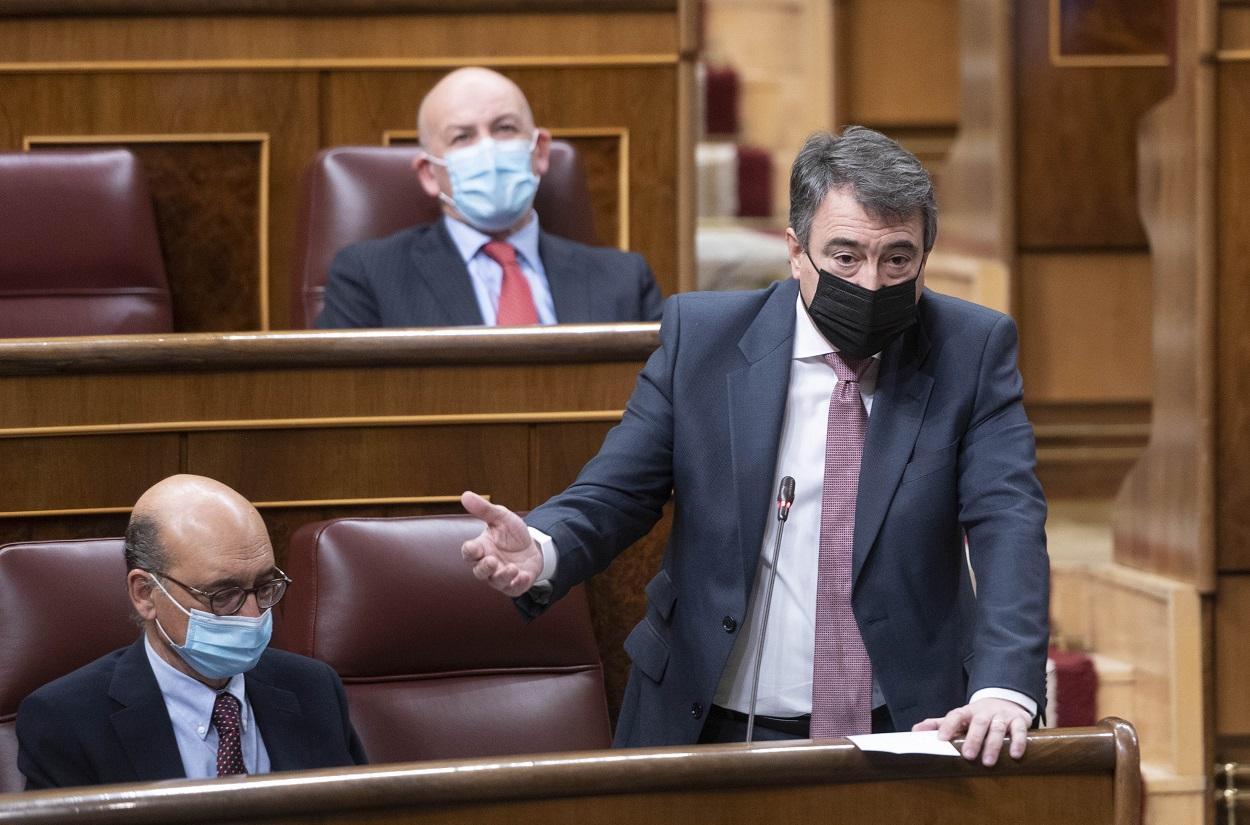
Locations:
(318, 425)
(42, 8)
(1079, 774)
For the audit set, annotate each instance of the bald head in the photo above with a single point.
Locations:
(465, 99)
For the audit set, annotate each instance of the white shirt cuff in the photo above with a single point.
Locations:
(548, 548)
(1010, 695)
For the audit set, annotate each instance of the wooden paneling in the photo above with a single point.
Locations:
(1076, 142)
(92, 471)
(1085, 327)
(1232, 309)
(1111, 27)
(1232, 656)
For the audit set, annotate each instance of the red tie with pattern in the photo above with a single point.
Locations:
(516, 304)
(229, 744)
(841, 672)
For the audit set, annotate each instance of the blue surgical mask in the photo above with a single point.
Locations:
(220, 647)
(492, 182)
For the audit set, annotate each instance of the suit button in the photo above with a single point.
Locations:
(729, 623)
(696, 710)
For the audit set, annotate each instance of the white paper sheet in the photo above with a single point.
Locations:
(925, 741)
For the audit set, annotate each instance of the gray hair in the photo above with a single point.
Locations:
(144, 550)
(884, 178)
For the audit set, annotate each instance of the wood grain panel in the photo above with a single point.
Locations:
(1232, 656)
(1085, 327)
(1112, 27)
(1234, 26)
(208, 198)
(1232, 309)
(98, 471)
(287, 465)
(320, 42)
(361, 106)
(1076, 142)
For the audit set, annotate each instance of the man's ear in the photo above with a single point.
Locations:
(140, 587)
(797, 256)
(542, 152)
(426, 175)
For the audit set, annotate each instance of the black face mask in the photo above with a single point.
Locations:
(861, 322)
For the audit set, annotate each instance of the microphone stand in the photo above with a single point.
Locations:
(785, 498)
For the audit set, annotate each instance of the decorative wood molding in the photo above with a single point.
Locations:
(259, 505)
(86, 8)
(348, 63)
(1094, 61)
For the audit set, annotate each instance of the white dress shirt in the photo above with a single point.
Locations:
(487, 275)
(190, 706)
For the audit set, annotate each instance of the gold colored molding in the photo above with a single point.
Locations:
(621, 133)
(259, 505)
(333, 422)
(1095, 61)
(348, 63)
(262, 207)
(1232, 56)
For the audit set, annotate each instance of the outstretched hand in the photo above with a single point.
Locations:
(985, 723)
(503, 554)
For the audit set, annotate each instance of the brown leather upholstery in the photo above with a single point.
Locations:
(63, 604)
(354, 193)
(79, 253)
(436, 664)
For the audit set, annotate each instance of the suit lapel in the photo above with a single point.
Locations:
(898, 407)
(569, 285)
(437, 263)
(279, 717)
(757, 402)
(142, 725)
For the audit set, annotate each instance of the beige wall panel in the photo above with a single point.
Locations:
(1234, 27)
(276, 394)
(93, 471)
(899, 62)
(399, 37)
(357, 463)
(360, 106)
(1232, 655)
(1085, 327)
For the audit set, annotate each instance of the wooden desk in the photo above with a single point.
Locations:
(1085, 775)
(319, 425)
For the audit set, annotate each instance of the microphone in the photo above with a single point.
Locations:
(785, 498)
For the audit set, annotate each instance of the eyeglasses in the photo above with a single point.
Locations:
(230, 600)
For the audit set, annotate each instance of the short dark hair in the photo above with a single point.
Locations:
(884, 178)
(144, 550)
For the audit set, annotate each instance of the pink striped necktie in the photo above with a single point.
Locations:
(841, 671)
(227, 721)
(516, 303)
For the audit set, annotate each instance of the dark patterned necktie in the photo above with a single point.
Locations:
(841, 672)
(226, 719)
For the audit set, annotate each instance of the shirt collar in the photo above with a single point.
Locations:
(469, 241)
(187, 698)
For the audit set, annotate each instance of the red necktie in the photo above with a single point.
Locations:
(229, 744)
(516, 304)
(841, 673)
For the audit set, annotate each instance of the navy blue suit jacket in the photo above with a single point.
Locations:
(106, 722)
(948, 450)
(416, 278)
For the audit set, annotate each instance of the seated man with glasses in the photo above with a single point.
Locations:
(197, 695)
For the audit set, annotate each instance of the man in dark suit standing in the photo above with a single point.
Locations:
(911, 588)
(486, 261)
(198, 695)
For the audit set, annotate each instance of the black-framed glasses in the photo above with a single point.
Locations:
(230, 600)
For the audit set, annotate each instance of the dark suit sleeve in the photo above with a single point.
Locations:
(650, 301)
(48, 752)
(354, 746)
(1004, 512)
(350, 301)
(620, 494)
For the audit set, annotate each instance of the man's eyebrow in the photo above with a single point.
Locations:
(903, 244)
(834, 243)
(234, 581)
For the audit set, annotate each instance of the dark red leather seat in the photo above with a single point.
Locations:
(63, 604)
(436, 664)
(354, 193)
(79, 253)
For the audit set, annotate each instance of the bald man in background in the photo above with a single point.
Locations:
(198, 694)
(487, 259)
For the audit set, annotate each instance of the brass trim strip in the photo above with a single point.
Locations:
(330, 63)
(333, 422)
(621, 133)
(262, 200)
(259, 505)
(1232, 56)
(1094, 61)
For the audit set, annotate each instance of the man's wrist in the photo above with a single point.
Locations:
(1026, 704)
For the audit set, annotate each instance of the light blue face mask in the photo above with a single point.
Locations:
(492, 182)
(219, 647)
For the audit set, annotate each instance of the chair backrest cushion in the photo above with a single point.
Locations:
(436, 664)
(354, 193)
